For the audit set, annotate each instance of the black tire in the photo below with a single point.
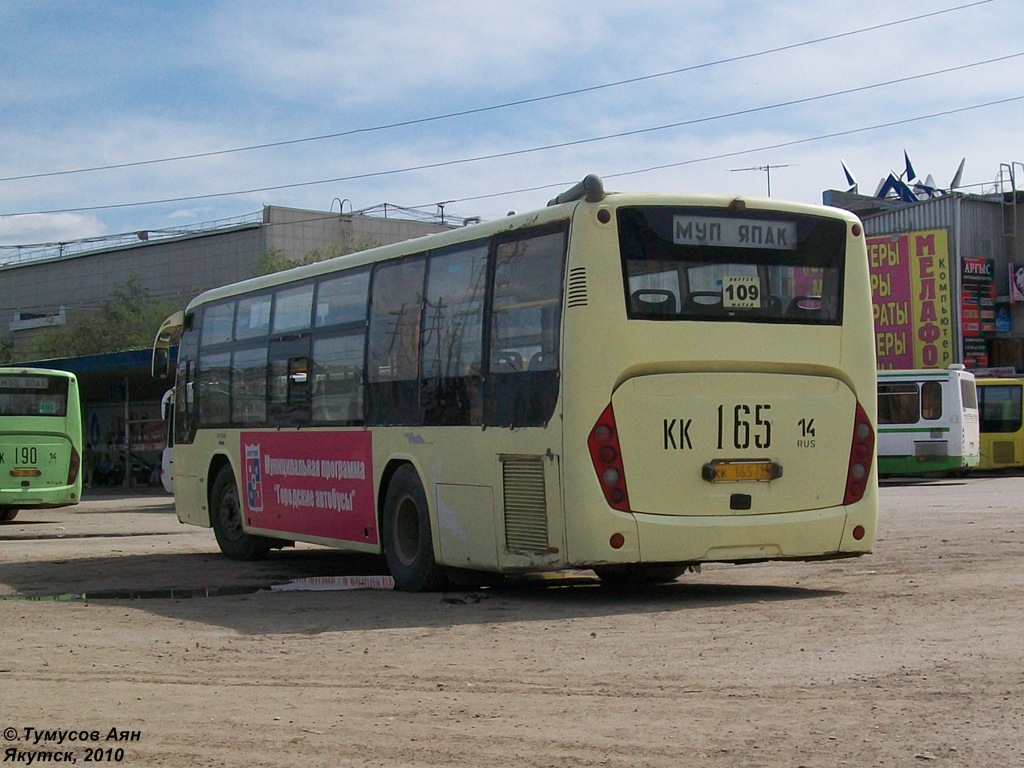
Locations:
(408, 543)
(7, 514)
(638, 575)
(226, 519)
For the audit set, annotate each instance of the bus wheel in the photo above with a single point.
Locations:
(408, 544)
(7, 514)
(226, 519)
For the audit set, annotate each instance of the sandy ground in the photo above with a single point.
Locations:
(911, 656)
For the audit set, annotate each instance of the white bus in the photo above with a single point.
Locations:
(927, 421)
(629, 383)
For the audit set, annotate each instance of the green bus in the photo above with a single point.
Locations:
(40, 440)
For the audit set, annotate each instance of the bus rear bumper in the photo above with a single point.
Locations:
(35, 498)
(807, 535)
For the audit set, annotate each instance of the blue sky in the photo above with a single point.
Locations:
(90, 85)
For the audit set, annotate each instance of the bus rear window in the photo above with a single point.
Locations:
(744, 266)
(33, 396)
(1000, 407)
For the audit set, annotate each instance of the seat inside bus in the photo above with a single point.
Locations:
(653, 301)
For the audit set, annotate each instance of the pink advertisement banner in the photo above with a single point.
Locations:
(911, 294)
(310, 483)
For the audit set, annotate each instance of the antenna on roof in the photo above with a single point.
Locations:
(766, 168)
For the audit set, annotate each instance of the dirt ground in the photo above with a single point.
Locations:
(911, 656)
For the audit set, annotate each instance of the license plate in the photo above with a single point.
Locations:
(741, 471)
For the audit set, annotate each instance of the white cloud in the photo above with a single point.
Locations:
(48, 228)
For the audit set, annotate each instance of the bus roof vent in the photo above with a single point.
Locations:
(590, 189)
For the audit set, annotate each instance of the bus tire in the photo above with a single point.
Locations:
(407, 540)
(226, 519)
(7, 514)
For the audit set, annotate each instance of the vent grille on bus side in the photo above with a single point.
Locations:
(526, 515)
(1002, 452)
(577, 287)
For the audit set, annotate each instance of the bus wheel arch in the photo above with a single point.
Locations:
(406, 534)
(226, 516)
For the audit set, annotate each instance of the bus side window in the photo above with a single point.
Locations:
(452, 336)
(338, 378)
(525, 321)
(288, 401)
(339, 346)
(931, 400)
(392, 355)
(898, 403)
(249, 385)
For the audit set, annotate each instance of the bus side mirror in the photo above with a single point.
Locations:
(170, 330)
(161, 363)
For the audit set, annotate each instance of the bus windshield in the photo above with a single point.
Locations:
(26, 395)
(689, 263)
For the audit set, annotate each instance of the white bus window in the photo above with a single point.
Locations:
(899, 403)
(217, 322)
(452, 341)
(393, 343)
(292, 308)
(931, 400)
(758, 267)
(338, 379)
(249, 386)
(969, 393)
(288, 381)
(214, 393)
(341, 300)
(253, 317)
(522, 384)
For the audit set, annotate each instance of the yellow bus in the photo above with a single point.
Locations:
(629, 383)
(1002, 429)
(40, 440)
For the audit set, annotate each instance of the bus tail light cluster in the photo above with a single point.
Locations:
(861, 451)
(73, 466)
(603, 443)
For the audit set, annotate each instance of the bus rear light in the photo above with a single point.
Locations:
(862, 449)
(858, 532)
(25, 472)
(606, 455)
(617, 541)
(73, 466)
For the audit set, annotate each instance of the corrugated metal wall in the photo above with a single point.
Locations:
(975, 228)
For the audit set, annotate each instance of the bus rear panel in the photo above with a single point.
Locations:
(737, 372)
(40, 440)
